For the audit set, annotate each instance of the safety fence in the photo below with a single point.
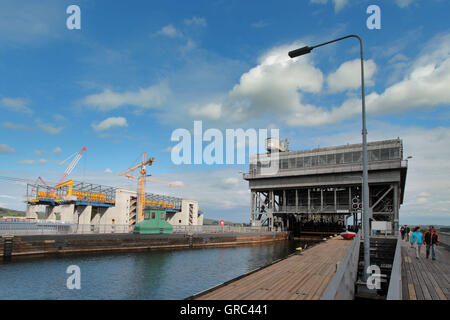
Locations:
(218, 229)
(395, 282)
(46, 228)
(342, 285)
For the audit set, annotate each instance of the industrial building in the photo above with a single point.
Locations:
(320, 189)
(84, 203)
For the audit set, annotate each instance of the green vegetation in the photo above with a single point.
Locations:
(11, 213)
(16, 213)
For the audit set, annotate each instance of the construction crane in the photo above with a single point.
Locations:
(71, 165)
(142, 178)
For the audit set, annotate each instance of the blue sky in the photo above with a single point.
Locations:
(138, 70)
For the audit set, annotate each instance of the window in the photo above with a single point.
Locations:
(322, 160)
(394, 153)
(307, 162)
(384, 154)
(161, 216)
(374, 155)
(331, 159)
(348, 157)
(179, 221)
(291, 163)
(146, 215)
(299, 162)
(339, 158)
(284, 164)
(357, 156)
(314, 161)
(153, 215)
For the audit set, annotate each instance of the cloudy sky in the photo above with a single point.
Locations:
(138, 70)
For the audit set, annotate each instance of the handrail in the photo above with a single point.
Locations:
(395, 282)
(342, 285)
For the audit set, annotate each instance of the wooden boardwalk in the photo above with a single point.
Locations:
(425, 279)
(303, 277)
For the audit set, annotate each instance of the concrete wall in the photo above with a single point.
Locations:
(182, 218)
(118, 214)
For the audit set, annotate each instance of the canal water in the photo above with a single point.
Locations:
(164, 274)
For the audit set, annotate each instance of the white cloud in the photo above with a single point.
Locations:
(210, 111)
(348, 75)
(57, 150)
(150, 97)
(41, 126)
(16, 104)
(14, 126)
(338, 4)
(277, 84)
(169, 31)
(109, 123)
(108, 170)
(49, 128)
(198, 21)
(5, 149)
(32, 162)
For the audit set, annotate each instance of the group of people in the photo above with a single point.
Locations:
(430, 238)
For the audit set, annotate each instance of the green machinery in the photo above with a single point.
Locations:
(154, 222)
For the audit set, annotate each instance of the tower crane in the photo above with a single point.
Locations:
(142, 178)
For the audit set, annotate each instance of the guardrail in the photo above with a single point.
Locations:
(37, 228)
(218, 229)
(395, 282)
(342, 285)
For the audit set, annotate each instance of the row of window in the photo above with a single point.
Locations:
(337, 158)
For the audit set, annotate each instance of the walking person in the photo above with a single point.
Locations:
(402, 232)
(417, 240)
(431, 239)
(407, 230)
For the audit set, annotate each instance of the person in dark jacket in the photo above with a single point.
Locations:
(402, 231)
(407, 230)
(431, 239)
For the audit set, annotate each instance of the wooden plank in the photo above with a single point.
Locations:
(412, 292)
(303, 276)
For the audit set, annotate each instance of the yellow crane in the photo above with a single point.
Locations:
(141, 183)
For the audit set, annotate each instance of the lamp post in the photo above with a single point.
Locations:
(365, 191)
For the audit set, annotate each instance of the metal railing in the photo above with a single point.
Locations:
(218, 229)
(38, 228)
(395, 282)
(342, 285)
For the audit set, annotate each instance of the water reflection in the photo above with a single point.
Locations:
(174, 274)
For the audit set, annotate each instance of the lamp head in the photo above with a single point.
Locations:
(299, 52)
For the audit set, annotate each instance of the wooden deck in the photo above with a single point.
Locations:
(303, 277)
(425, 279)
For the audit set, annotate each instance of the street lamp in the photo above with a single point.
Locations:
(366, 231)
